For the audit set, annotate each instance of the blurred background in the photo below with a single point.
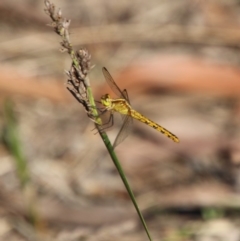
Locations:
(179, 61)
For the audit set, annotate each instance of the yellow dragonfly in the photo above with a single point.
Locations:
(122, 106)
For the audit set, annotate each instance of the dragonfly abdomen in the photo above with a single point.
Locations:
(154, 125)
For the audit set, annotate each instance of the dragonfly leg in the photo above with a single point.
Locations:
(94, 117)
(108, 124)
(102, 111)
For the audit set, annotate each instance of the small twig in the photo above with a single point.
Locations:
(77, 83)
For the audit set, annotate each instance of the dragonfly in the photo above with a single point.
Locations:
(122, 106)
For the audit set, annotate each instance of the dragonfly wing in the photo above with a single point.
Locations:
(124, 131)
(127, 120)
(125, 94)
(112, 83)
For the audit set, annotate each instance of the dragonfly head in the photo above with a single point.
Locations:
(106, 100)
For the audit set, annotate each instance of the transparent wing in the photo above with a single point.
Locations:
(123, 94)
(127, 120)
(124, 131)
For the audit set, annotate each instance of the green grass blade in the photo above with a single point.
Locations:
(124, 179)
(12, 141)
